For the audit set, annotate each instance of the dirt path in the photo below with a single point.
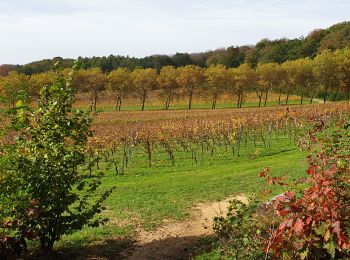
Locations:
(177, 240)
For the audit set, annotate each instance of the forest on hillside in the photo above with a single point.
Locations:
(265, 51)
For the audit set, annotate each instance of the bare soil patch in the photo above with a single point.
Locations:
(178, 240)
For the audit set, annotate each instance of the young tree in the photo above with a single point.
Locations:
(190, 78)
(308, 83)
(144, 80)
(325, 70)
(293, 77)
(167, 83)
(218, 79)
(119, 84)
(268, 77)
(92, 81)
(244, 77)
(51, 192)
(13, 85)
(283, 84)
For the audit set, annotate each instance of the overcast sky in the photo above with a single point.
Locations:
(35, 29)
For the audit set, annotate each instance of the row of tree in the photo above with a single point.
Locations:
(328, 73)
(265, 51)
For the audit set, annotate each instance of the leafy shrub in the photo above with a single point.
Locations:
(316, 224)
(50, 192)
(241, 230)
(311, 220)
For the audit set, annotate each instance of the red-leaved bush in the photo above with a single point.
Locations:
(316, 219)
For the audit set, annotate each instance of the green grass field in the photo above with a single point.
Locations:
(109, 107)
(146, 196)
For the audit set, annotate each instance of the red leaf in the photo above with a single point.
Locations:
(311, 169)
(308, 220)
(336, 228)
(298, 226)
(282, 212)
(264, 172)
(289, 195)
(326, 191)
(282, 226)
(289, 222)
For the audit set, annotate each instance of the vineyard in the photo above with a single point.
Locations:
(156, 165)
(125, 135)
(163, 138)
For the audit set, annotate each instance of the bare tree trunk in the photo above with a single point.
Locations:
(168, 99)
(190, 95)
(95, 101)
(260, 97)
(301, 98)
(325, 95)
(120, 104)
(279, 98)
(91, 104)
(265, 102)
(311, 99)
(143, 102)
(95, 104)
(336, 95)
(167, 103)
(117, 104)
(287, 98)
(213, 105)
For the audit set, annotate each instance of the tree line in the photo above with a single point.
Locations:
(327, 75)
(265, 51)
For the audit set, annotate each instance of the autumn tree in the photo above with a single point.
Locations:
(218, 79)
(92, 81)
(143, 81)
(325, 70)
(190, 78)
(5, 69)
(268, 77)
(308, 82)
(343, 61)
(244, 78)
(293, 78)
(38, 81)
(283, 84)
(119, 83)
(13, 85)
(167, 81)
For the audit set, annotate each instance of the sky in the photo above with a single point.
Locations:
(36, 29)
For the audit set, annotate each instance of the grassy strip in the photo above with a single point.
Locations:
(159, 193)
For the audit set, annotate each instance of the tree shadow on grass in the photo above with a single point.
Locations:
(107, 249)
(174, 248)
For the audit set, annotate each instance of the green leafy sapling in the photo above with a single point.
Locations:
(50, 157)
